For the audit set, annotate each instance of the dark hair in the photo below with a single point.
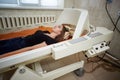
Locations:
(60, 37)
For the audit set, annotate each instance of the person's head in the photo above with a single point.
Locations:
(60, 31)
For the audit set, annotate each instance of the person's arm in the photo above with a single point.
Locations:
(24, 49)
(38, 45)
(31, 47)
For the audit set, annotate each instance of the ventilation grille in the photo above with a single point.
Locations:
(8, 22)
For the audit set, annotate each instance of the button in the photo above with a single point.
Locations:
(106, 45)
(102, 44)
(96, 48)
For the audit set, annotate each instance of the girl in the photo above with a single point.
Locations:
(36, 40)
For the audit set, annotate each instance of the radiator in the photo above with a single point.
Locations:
(9, 22)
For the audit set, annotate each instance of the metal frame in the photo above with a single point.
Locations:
(25, 73)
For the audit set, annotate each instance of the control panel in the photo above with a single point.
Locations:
(97, 49)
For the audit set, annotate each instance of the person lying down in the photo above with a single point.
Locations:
(36, 40)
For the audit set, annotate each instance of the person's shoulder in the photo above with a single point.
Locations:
(39, 32)
(50, 40)
(46, 32)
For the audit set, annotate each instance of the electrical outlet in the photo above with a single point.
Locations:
(97, 49)
(100, 47)
(119, 13)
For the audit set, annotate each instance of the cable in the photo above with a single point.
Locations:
(115, 24)
(92, 69)
(100, 59)
(117, 21)
(113, 64)
(107, 65)
(109, 14)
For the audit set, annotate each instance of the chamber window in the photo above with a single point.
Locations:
(32, 4)
(49, 3)
(29, 1)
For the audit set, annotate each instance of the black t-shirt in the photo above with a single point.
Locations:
(38, 37)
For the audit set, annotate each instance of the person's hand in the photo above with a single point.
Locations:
(66, 36)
